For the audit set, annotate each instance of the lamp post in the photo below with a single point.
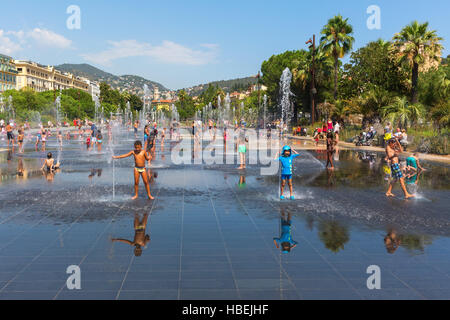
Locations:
(313, 81)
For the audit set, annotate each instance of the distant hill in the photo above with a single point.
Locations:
(226, 85)
(130, 83)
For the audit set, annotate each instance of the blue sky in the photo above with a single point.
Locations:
(184, 43)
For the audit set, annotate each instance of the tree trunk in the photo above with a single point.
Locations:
(415, 77)
(335, 77)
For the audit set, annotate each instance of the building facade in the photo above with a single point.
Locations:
(8, 73)
(44, 78)
(94, 88)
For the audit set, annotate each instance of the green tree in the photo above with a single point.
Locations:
(337, 42)
(272, 70)
(135, 102)
(402, 112)
(417, 47)
(302, 77)
(185, 105)
(373, 65)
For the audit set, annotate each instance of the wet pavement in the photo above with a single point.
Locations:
(212, 229)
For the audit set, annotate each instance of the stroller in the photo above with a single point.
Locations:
(366, 139)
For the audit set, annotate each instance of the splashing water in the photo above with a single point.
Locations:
(286, 94)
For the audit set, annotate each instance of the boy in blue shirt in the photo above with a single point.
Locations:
(287, 168)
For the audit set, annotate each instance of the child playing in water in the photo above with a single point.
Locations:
(330, 149)
(60, 138)
(99, 141)
(242, 149)
(140, 156)
(88, 142)
(413, 164)
(393, 150)
(49, 164)
(20, 138)
(286, 169)
(44, 139)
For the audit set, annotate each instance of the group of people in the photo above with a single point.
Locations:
(322, 133)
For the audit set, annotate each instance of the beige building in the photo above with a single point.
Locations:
(44, 78)
(8, 73)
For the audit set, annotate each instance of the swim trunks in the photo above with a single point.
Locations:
(396, 172)
(140, 169)
(242, 148)
(286, 177)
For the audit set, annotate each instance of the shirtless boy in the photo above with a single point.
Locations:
(393, 149)
(140, 156)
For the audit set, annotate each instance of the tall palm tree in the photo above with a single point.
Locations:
(337, 42)
(402, 112)
(416, 46)
(302, 73)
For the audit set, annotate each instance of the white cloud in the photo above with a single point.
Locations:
(7, 46)
(13, 41)
(49, 38)
(168, 52)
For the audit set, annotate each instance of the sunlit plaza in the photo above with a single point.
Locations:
(323, 174)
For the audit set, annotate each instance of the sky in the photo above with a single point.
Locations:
(184, 43)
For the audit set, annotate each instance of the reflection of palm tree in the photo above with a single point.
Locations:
(414, 242)
(333, 235)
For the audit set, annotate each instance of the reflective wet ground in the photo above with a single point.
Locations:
(212, 229)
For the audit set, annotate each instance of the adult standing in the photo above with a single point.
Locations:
(10, 134)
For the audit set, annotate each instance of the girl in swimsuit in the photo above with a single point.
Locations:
(99, 141)
(20, 140)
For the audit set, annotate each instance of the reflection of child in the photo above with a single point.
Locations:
(287, 169)
(285, 239)
(141, 239)
(392, 242)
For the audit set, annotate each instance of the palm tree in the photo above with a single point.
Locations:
(417, 46)
(441, 114)
(402, 112)
(302, 73)
(373, 100)
(337, 42)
